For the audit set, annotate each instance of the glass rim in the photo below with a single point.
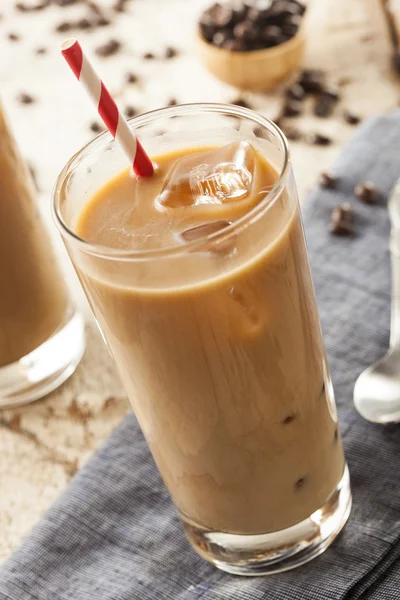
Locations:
(106, 138)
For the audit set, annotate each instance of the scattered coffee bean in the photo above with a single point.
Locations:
(102, 22)
(328, 181)
(241, 102)
(131, 78)
(64, 3)
(292, 108)
(120, 5)
(94, 7)
(32, 7)
(341, 220)
(318, 139)
(96, 127)
(171, 52)
(84, 24)
(109, 48)
(172, 102)
(366, 192)
(300, 483)
(148, 56)
(288, 419)
(312, 80)
(130, 111)
(292, 133)
(351, 118)
(64, 26)
(25, 98)
(295, 92)
(41, 50)
(14, 37)
(324, 106)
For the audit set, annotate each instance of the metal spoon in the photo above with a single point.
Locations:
(377, 390)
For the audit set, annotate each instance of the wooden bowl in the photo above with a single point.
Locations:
(255, 69)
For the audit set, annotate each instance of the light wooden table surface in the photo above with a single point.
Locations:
(42, 445)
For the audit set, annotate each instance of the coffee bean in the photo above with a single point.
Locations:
(109, 48)
(288, 419)
(324, 106)
(102, 22)
(32, 7)
(83, 24)
(292, 133)
(312, 80)
(223, 15)
(96, 127)
(341, 220)
(272, 36)
(234, 45)
(25, 98)
(318, 139)
(14, 37)
(64, 3)
(172, 102)
(244, 30)
(241, 102)
(220, 38)
(171, 52)
(120, 6)
(295, 92)
(366, 192)
(328, 181)
(292, 108)
(131, 78)
(331, 93)
(148, 56)
(64, 26)
(41, 50)
(291, 26)
(130, 111)
(351, 118)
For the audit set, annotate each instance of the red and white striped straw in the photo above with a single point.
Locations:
(106, 107)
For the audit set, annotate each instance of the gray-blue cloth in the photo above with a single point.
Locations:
(114, 534)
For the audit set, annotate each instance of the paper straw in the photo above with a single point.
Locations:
(106, 107)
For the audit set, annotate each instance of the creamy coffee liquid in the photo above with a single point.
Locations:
(33, 298)
(219, 348)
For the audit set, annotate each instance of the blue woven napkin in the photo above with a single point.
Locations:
(114, 534)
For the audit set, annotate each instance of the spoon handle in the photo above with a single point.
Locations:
(395, 309)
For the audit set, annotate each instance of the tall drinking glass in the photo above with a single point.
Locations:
(41, 333)
(218, 343)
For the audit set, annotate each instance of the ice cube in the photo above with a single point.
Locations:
(214, 177)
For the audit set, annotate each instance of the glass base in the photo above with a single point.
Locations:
(40, 372)
(269, 553)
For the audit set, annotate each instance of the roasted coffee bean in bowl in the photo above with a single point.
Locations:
(252, 44)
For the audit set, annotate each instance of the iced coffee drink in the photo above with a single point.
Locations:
(199, 279)
(34, 303)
